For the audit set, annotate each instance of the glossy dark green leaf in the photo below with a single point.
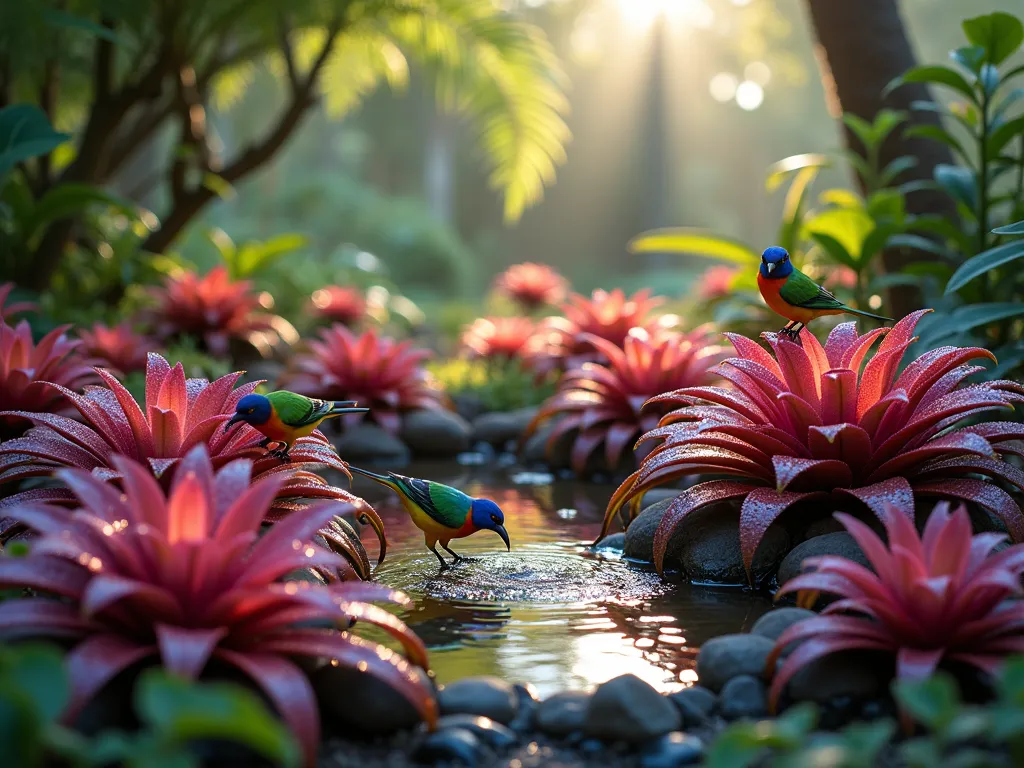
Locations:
(65, 20)
(20, 729)
(920, 243)
(935, 133)
(935, 74)
(959, 182)
(1014, 96)
(835, 250)
(983, 262)
(1005, 133)
(25, 132)
(1017, 228)
(971, 316)
(1000, 34)
(932, 702)
(942, 109)
(38, 672)
(67, 200)
(970, 57)
(893, 170)
(989, 79)
(185, 712)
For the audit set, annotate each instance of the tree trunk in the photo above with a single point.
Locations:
(863, 46)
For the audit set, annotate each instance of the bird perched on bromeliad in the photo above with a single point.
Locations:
(443, 513)
(792, 294)
(283, 417)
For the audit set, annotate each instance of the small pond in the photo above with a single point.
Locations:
(552, 612)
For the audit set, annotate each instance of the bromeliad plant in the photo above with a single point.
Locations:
(815, 421)
(185, 577)
(7, 311)
(500, 338)
(34, 377)
(214, 309)
(118, 347)
(339, 304)
(177, 415)
(565, 341)
(380, 373)
(533, 286)
(940, 597)
(610, 404)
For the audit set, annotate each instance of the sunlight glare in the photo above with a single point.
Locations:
(723, 86)
(749, 95)
(642, 14)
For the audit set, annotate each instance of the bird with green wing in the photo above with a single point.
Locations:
(283, 417)
(443, 513)
(792, 294)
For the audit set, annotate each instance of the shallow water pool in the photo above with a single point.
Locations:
(550, 612)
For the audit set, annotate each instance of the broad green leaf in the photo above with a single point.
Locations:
(979, 265)
(970, 57)
(942, 109)
(220, 186)
(936, 75)
(1000, 34)
(20, 729)
(932, 702)
(255, 257)
(936, 133)
(695, 242)
(866, 740)
(38, 672)
(1005, 133)
(783, 169)
(65, 20)
(893, 169)
(1017, 228)
(66, 201)
(793, 207)
(848, 226)
(959, 183)
(861, 128)
(877, 239)
(972, 316)
(1008, 101)
(183, 711)
(25, 132)
(887, 203)
(919, 243)
(834, 249)
(841, 198)
(1010, 682)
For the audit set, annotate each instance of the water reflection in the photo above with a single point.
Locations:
(550, 612)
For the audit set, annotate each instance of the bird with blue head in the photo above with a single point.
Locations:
(283, 417)
(792, 294)
(443, 513)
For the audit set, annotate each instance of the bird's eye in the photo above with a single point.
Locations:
(494, 518)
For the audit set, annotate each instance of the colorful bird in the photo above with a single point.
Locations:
(443, 513)
(283, 417)
(792, 294)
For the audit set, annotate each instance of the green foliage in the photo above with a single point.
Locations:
(500, 385)
(197, 364)
(175, 713)
(25, 133)
(984, 126)
(253, 258)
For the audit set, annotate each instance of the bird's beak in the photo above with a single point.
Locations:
(770, 265)
(352, 410)
(232, 421)
(500, 530)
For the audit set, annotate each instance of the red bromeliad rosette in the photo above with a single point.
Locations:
(118, 347)
(34, 377)
(813, 421)
(343, 304)
(605, 403)
(177, 415)
(499, 338)
(10, 310)
(382, 374)
(532, 285)
(186, 577)
(941, 597)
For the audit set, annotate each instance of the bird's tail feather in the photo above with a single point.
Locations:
(862, 313)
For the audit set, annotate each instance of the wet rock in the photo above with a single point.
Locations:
(743, 696)
(728, 656)
(534, 449)
(852, 674)
(369, 442)
(591, 747)
(487, 696)
(435, 434)
(457, 746)
(655, 495)
(628, 709)
(673, 750)
(562, 713)
(468, 405)
(639, 541)
(709, 550)
(526, 697)
(615, 541)
(498, 428)
(822, 527)
(695, 704)
(354, 703)
(778, 620)
(487, 731)
(841, 544)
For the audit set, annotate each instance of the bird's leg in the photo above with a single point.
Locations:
(458, 558)
(785, 329)
(282, 454)
(444, 563)
(265, 443)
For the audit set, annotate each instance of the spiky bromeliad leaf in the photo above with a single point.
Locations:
(814, 420)
(944, 595)
(185, 576)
